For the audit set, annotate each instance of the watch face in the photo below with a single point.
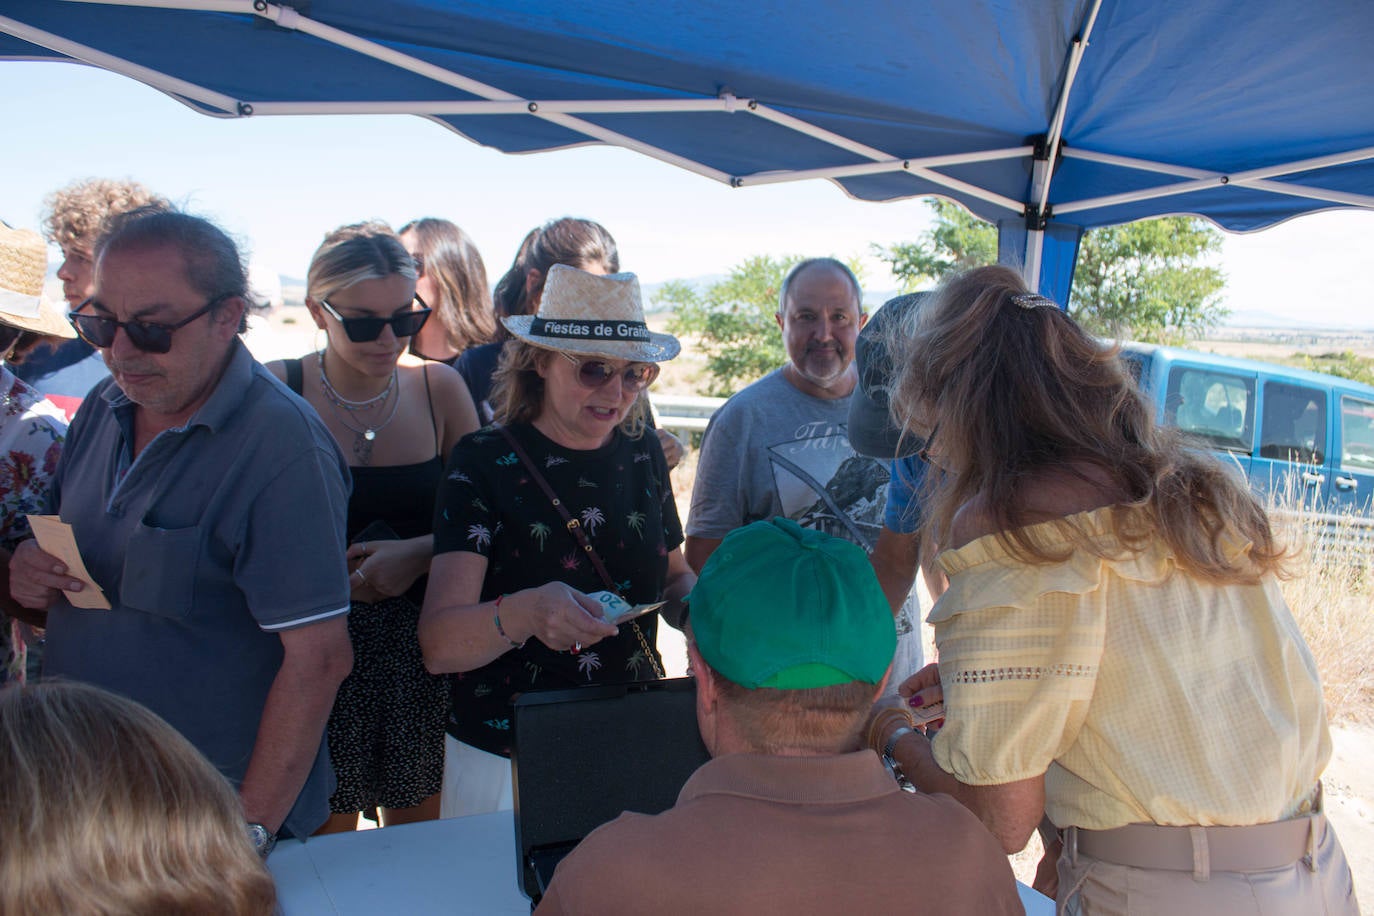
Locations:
(262, 838)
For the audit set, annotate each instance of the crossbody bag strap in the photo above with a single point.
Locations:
(572, 524)
(576, 529)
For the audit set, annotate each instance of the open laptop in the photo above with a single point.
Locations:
(582, 756)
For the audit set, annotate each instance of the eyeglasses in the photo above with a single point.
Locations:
(593, 373)
(99, 331)
(363, 330)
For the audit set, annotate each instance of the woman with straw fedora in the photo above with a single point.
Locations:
(31, 428)
(565, 497)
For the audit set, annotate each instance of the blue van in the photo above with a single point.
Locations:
(1291, 431)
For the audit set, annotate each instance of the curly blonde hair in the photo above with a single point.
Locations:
(108, 810)
(1011, 392)
(77, 215)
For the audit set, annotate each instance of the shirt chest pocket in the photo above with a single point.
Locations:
(160, 570)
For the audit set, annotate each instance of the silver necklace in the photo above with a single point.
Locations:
(339, 400)
(363, 436)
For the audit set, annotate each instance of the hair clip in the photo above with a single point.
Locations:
(1033, 300)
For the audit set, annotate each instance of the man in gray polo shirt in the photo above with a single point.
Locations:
(207, 503)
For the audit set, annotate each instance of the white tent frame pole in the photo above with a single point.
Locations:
(819, 133)
(558, 112)
(1253, 178)
(86, 54)
(1042, 170)
(921, 168)
(289, 18)
(1035, 251)
(494, 107)
(1040, 191)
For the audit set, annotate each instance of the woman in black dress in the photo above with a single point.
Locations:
(395, 423)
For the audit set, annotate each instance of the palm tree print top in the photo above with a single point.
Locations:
(490, 505)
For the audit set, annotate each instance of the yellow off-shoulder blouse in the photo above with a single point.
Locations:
(1144, 694)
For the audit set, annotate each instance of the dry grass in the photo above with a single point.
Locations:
(1331, 594)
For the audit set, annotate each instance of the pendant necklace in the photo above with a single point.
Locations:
(363, 436)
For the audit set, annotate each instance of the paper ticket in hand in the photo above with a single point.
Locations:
(55, 537)
(924, 715)
(616, 610)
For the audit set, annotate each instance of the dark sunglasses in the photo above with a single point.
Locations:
(593, 373)
(150, 337)
(363, 330)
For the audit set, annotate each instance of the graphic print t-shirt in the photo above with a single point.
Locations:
(772, 450)
(490, 505)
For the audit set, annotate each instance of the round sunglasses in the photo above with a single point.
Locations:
(593, 373)
(364, 330)
(150, 337)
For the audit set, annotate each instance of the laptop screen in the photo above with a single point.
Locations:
(581, 757)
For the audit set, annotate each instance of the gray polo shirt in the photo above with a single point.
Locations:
(219, 534)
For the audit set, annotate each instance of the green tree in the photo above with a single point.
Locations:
(958, 242)
(733, 320)
(1139, 280)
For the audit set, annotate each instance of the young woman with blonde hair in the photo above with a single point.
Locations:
(1114, 649)
(396, 424)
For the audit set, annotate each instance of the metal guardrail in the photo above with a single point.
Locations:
(1339, 532)
(683, 413)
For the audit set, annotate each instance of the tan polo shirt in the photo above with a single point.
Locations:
(754, 834)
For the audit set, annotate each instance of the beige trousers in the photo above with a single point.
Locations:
(1090, 887)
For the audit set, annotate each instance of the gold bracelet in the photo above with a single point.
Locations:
(882, 721)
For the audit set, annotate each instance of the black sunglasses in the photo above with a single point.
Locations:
(593, 373)
(150, 337)
(363, 330)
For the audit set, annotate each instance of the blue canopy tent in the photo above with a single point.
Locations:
(1046, 117)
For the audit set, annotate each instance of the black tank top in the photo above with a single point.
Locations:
(401, 495)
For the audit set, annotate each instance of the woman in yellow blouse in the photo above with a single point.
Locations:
(1114, 649)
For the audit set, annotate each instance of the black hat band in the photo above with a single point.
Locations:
(574, 329)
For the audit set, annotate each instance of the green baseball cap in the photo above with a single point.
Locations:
(778, 605)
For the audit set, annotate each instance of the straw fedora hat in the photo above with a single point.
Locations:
(594, 314)
(23, 266)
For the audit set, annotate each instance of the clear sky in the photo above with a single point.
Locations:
(279, 183)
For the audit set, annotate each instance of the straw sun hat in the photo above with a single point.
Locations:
(23, 265)
(594, 314)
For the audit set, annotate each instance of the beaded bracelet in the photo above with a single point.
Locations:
(496, 619)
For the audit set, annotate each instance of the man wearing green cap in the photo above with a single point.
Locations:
(790, 639)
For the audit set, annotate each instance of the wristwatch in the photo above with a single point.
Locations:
(263, 839)
(891, 763)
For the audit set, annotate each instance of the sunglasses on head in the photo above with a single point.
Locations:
(363, 330)
(593, 373)
(150, 337)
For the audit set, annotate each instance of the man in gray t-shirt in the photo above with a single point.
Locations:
(780, 446)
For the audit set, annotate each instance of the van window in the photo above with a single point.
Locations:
(1215, 406)
(1357, 433)
(1294, 424)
